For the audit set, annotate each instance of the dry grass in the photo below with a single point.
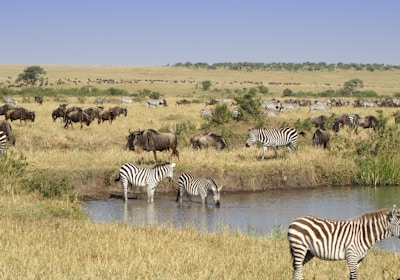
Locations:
(36, 244)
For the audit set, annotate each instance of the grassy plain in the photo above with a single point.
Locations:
(49, 239)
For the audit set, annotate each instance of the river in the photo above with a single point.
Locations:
(263, 213)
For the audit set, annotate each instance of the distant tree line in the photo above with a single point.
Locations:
(306, 66)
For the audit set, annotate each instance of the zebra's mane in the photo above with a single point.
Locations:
(369, 215)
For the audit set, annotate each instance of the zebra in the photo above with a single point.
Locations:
(198, 186)
(236, 114)
(156, 102)
(274, 137)
(206, 113)
(133, 174)
(320, 107)
(3, 144)
(340, 240)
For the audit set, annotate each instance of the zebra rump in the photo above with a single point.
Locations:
(3, 143)
(198, 187)
(340, 240)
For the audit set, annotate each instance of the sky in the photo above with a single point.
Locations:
(166, 32)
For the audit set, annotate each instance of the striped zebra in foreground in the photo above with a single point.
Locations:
(198, 187)
(206, 113)
(135, 175)
(340, 240)
(285, 136)
(3, 144)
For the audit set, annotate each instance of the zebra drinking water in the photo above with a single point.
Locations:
(198, 187)
(133, 174)
(274, 137)
(340, 240)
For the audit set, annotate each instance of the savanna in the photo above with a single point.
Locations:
(51, 169)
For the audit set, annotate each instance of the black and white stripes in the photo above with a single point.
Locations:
(131, 173)
(198, 187)
(286, 136)
(340, 240)
(3, 144)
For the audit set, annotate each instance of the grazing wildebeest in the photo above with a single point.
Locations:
(94, 112)
(119, 111)
(156, 102)
(20, 113)
(319, 122)
(152, 140)
(5, 108)
(367, 122)
(107, 115)
(321, 137)
(183, 102)
(39, 99)
(340, 121)
(77, 116)
(206, 140)
(59, 112)
(7, 130)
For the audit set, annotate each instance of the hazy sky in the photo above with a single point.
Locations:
(161, 32)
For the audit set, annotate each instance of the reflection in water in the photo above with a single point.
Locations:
(253, 213)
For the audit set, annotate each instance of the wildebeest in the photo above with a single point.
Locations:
(77, 116)
(319, 122)
(341, 121)
(5, 108)
(321, 137)
(152, 140)
(20, 113)
(39, 100)
(94, 112)
(59, 112)
(367, 122)
(183, 102)
(119, 111)
(107, 115)
(7, 130)
(208, 140)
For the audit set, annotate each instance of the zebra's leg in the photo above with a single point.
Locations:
(263, 152)
(150, 193)
(353, 264)
(300, 257)
(275, 150)
(125, 189)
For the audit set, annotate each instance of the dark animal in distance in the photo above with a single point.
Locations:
(319, 122)
(152, 140)
(206, 140)
(77, 116)
(211, 102)
(20, 113)
(59, 112)
(321, 137)
(183, 102)
(367, 122)
(39, 100)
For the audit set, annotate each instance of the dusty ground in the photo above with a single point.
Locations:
(101, 184)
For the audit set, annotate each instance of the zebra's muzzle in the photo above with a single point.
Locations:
(217, 204)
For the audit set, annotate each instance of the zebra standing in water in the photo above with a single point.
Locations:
(285, 136)
(131, 173)
(340, 240)
(198, 186)
(3, 144)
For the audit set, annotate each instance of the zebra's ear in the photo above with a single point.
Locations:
(220, 188)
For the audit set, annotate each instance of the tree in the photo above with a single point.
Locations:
(351, 86)
(31, 75)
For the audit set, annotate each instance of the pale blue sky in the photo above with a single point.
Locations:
(161, 32)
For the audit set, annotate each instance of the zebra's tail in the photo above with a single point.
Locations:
(117, 177)
(178, 195)
(302, 133)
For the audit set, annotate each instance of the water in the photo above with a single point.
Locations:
(265, 213)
